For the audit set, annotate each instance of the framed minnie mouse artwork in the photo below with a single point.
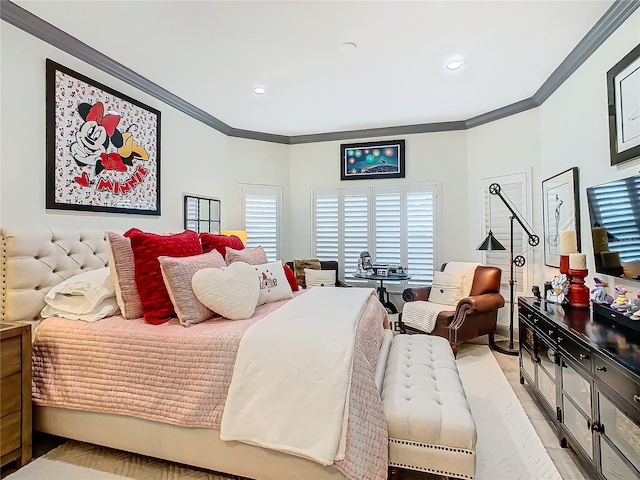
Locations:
(103, 147)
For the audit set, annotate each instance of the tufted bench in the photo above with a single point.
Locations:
(430, 424)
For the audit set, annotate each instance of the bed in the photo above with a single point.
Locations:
(34, 260)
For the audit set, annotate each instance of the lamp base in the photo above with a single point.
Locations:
(502, 346)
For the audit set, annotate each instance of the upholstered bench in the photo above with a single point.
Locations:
(430, 424)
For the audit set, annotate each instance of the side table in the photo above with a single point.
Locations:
(383, 295)
(15, 389)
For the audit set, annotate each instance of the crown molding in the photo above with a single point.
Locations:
(30, 23)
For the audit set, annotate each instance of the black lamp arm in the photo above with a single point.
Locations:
(495, 189)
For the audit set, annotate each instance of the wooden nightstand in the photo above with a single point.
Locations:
(15, 392)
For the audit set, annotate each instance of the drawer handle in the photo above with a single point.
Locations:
(550, 333)
(560, 339)
(535, 321)
(583, 356)
(636, 398)
(529, 315)
(601, 369)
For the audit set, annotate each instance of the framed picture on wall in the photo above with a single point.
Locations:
(103, 147)
(623, 93)
(561, 211)
(367, 160)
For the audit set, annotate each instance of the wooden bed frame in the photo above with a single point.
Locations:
(34, 260)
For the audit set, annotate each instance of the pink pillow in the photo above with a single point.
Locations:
(177, 274)
(219, 242)
(147, 247)
(122, 269)
(252, 256)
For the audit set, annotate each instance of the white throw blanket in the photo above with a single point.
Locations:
(422, 315)
(290, 385)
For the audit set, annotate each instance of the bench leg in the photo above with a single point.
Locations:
(394, 473)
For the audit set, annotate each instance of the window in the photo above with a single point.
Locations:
(396, 224)
(201, 214)
(496, 217)
(261, 210)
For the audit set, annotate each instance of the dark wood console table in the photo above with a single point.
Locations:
(584, 370)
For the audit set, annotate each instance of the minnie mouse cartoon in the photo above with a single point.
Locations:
(93, 139)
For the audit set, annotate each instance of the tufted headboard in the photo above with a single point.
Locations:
(36, 259)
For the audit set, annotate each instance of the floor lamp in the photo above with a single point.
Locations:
(491, 243)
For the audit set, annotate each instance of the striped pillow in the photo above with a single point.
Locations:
(252, 256)
(177, 273)
(122, 269)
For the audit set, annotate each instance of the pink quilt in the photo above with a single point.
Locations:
(172, 374)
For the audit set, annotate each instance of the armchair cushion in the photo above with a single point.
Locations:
(465, 271)
(446, 289)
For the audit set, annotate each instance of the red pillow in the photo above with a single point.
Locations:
(291, 277)
(220, 242)
(147, 247)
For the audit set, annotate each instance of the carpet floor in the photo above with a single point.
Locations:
(508, 446)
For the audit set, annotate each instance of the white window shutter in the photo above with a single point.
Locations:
(327, 227)
(261, 209)
(420, 236)
(356, 230)
(387, 228)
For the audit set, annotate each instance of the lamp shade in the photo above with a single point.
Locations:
(491, 243)
(241, 234)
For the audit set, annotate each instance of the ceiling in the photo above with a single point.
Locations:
(213, 53)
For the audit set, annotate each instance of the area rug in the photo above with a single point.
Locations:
(508, 447)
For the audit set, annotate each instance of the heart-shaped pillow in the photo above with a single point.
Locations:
(231, 292)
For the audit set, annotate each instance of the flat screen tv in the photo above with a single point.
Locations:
(614, 209)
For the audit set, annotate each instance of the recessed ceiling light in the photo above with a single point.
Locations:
(455, 64)
(348, 46)
(259, 90)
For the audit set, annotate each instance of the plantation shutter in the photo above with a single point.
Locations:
(497, 219)
(327, 227)
(262, 218)
(387, 228)
(611, 209)
(356, 230)
(420, 236)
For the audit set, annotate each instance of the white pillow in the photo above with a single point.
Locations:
(465, 271)
(446, 289)
(274, 285)
(319, 278)
(88, 296)
(231, 291)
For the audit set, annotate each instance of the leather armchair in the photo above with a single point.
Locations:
(473, 316)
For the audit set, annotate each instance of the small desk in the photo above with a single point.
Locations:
(383, 295)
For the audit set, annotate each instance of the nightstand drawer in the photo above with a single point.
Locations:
(10, 432)
(10, 389)
(10, 356)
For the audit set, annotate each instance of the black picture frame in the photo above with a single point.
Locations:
(561, 211)
(624, 136)
(369, 160)
(102, 149)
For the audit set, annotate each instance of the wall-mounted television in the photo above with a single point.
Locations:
(614, 209)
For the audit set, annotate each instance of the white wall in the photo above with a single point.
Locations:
(574, 133)
(195, 158)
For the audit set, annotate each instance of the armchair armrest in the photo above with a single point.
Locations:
(414, 294)
(479, 304)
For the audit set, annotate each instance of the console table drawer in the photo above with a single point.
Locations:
(576, 351)
(620, 382)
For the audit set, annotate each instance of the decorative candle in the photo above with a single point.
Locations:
(600, 241)
(568, 242)
(577, 261)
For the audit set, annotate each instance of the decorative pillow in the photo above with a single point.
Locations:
(465, 271)
(446, 289)
(147, 247)
(320, 278)
(252, 256)
(299, 264)
(88, 296)
(291, 278)
(232, 292)
(220, 242)
(177, 274)
(273, 282)
(122, 269)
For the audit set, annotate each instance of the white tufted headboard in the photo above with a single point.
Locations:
(36, 259)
